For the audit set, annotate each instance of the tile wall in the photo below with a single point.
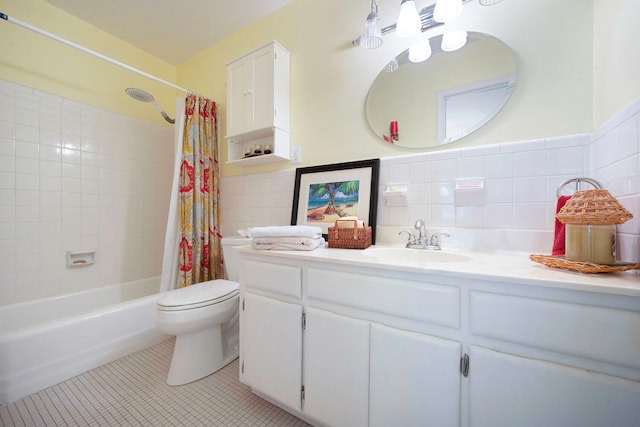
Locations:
(520, 184)
(74, 177)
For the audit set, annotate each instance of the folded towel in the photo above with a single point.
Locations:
(558, 231)
(287, 243)
(286, 231)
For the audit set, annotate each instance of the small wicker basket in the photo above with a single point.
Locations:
(582, 267)
(349, 237)
(593, 207)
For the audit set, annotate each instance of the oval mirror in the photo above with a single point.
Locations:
(443, 98)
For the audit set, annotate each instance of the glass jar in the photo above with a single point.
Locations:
(591, 243)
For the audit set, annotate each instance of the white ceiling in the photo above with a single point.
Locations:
(172, 30)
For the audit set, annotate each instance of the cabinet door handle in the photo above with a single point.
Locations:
(464, 365)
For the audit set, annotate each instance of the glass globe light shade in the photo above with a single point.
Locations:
(409, 23)
(372, 35)
(420, 51)
(446, 10)
(453, 40)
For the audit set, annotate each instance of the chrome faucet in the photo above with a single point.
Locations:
(434, 241)
(423, 241)
(420, 226)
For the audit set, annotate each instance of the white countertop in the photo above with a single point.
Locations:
(515, 267)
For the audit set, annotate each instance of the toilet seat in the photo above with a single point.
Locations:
(198, 295)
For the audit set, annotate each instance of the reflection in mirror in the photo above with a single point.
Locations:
(444, 98)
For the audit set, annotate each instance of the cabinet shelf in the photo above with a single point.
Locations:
(277, 138)
(257, 160)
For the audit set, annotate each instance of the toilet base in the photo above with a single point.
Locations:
(197, 355)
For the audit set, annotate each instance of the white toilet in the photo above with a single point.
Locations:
(204, 319)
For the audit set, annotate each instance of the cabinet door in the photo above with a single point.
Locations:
(336, 369)
(237, 97)
(414, 379)
(271, 348)
(261, 108)
(507, 390)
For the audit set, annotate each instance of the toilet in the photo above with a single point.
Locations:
(204, 319)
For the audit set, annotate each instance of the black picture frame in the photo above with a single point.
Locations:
(363, 200)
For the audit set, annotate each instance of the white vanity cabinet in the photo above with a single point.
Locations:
(270, 331)
(356, 370)
(510, 390)
(258, 104)
(554, 360)
(381, 346)
(272, 349)
(414, 379)
(405, 377)
(335, 368)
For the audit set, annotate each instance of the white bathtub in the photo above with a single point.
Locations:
(46, 341)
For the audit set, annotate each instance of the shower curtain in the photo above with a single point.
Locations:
(193, 251)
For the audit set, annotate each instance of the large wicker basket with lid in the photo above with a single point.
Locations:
(591, 217)
(593, 207)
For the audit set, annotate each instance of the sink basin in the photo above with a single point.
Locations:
(413, 256)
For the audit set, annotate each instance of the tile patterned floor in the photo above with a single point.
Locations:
(132, 392)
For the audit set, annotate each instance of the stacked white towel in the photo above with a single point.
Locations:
(288, 238)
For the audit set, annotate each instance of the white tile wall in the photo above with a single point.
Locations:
(73, 177)
(521, 180)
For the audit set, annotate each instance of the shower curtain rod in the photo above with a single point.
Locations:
(91, 52)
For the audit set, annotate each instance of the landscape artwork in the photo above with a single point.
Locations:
(324, 194)
(329, 201)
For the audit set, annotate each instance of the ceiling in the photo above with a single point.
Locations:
(172, 30)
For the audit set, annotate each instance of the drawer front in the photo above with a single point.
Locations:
(279, 279)
(599, 333)
(430, 303)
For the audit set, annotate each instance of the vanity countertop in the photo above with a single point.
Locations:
(514, 267)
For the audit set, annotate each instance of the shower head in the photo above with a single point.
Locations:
(141, 95)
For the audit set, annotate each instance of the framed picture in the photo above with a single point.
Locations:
(323, 194)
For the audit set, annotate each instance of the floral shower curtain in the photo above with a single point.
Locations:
(200, 250)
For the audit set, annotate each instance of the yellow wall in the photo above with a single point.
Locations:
(575, 70)
(617, 56)
(330, 78)
(33, 60)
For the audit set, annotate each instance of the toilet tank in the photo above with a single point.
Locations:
(231, 256)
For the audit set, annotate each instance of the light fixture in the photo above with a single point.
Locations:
(446, 10)
(453, 40)
(420, 51)
(409, 23)
(489, 2)
(421, 21)
(372, 35)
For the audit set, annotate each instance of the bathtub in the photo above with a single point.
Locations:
(46, 341)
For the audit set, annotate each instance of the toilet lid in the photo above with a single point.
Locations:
(199, 295)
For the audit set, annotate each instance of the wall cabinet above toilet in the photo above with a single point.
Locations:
(258, 106)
